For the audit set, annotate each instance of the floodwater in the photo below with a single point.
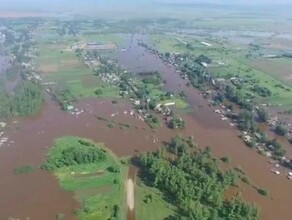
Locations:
(209, 130)
(25, 196)
(39, 196)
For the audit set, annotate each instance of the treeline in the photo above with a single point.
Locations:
(195, 184)
(27, 99)
(80, 152)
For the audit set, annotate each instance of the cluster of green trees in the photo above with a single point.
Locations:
(203, 58)
(64, 97)
(176, 122)
(262, 91)
(75, 154)
(281, 130)
(195, 184)
(262, 114)
(68, 28)
(247, 121)
(152, 78)
(26, 100)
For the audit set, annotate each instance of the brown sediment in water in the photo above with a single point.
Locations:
(25, 196)
(209, 130)
(39, 196)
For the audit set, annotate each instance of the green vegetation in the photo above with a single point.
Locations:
(93, 173)
(281, 130)
(194, 184)
(150, 203)
(226, 159)
(63, 155)
(263, 192)
(176, 122)
(26, 100)
(24, 170)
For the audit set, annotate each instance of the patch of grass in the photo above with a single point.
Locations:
(100, 194)
(24, 169)
(150, 203)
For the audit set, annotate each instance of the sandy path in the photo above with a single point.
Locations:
(130, 194)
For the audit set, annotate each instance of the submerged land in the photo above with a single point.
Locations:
(146, 117)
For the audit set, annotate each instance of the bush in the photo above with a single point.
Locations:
(124, 161)
(98, 92)
(24, 169)
(113, 169)
(60, 216)
(263, 192)
(226, 159)
(281, 130)
(111, 125)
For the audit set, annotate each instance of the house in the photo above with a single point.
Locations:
(258, 136)
(70, 108)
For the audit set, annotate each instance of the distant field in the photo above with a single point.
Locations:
(272, 74)
(278, 68)
(59, 64)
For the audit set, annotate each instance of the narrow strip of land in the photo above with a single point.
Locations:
(130, 194)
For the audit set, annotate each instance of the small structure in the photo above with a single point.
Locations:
(206, 44)
(258, 136)
(70, 108)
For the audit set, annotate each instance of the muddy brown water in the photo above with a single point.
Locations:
(209, 130)
(39, 196)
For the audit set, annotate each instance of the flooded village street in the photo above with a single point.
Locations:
(209, 130)
(31, 137)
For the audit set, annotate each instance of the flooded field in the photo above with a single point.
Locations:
(30, 138)
(209, 130)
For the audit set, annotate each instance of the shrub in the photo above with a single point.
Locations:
(60, 216)
(113, 169)
(24, 169)
(98, 92)
(263, 192)
(225, 159)
(281, 130)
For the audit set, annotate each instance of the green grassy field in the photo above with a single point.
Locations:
(94, 186)
(104, 38)
(278, 68)
(60, 64)
(154, 208)
(238, 66)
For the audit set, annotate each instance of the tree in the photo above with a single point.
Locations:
(262, 115)
(281, 130)
(246, 121)
(98, 92)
